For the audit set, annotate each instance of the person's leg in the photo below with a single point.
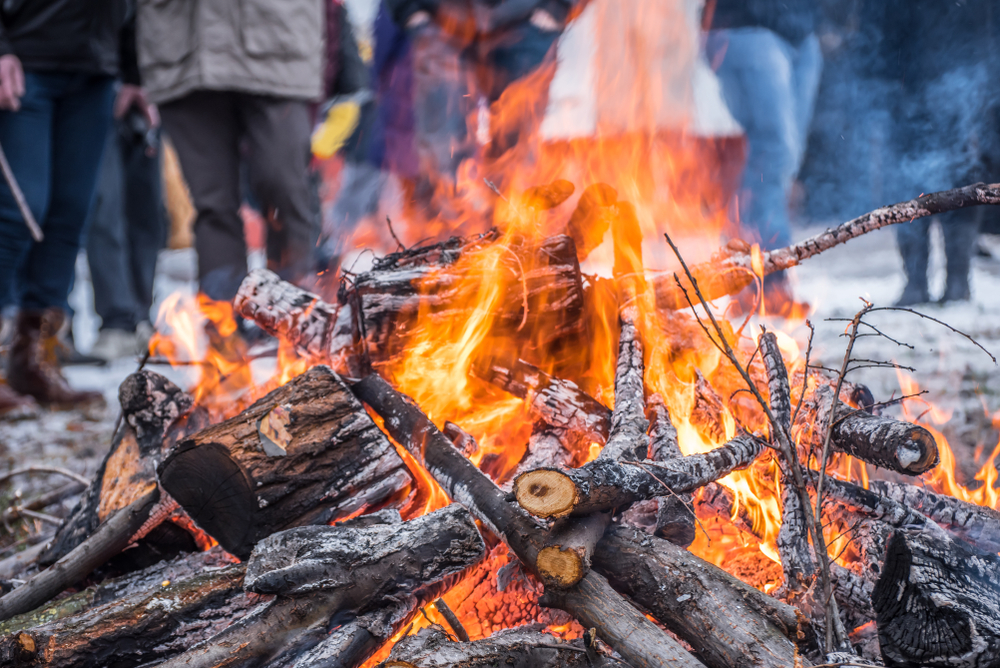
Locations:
(960, 230)
(204, 130)
(277, 133)
(146, 222)
(107, 244)
(913, 241)
(756, 77)
(81, 120)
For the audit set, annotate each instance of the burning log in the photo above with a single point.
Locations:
(604, 484)
(690, 596)
(872, 505)
(516, 648)
(350, 645)
(557, 402)
(669, 517)
(317, 330)
(153, 409)
(307, 453)
(144, 617)
(854, 595)
(900, 446)
(592, 601)
(977, 525)
(732, 270)
(321, 574)
(937, 603)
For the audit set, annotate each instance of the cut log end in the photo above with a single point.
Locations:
(545, 492)
(560, 567)
(919, 453)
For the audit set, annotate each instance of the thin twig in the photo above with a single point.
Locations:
(43, 469)
(835, 630)
(34, 514)
(940, 322)
(399, 243)
(452, 620)
(805, 372)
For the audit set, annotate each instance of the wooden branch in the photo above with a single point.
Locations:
(729, 273)
(854, 594)
(353, 643)
(937, 603)
(307, 453)
(111, 537)
(566, 557)
(670, 516)
(43, 500)
(977, 525)
(903, 447)
(559, 403)
(144, 617)
(592, 600)
(727, 622)
(604, 484)
(793, 538)
(875, 506)
(516, 648)
(321, 572)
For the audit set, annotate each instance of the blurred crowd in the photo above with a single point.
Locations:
(100, 100)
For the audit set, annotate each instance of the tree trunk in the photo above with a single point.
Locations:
(323, 574)
(728, 623)
(937, 603)
(592, 600)
(513, 648)
(307, 453)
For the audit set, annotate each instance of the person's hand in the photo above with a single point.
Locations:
(418, 19)
(11, 82)
(542, 20)
(133, 96)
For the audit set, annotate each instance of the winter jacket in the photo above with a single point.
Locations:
(792, 19)
(266, 47)
(69, 35)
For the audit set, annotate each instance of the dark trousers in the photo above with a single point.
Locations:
(126, 231)
(54, 145)
(959, 229)
(212, 131)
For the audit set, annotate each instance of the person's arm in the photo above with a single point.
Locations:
(11, 74)
(131, 93)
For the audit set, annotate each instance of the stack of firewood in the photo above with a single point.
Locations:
(274, 538)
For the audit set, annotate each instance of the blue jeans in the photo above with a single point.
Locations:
(770, 87)
(54, 146)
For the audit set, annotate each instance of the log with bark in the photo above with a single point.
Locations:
(592, 600)
(937, 603)
(977, 525)
(604, 484)
(513, 648)
(324, 576)
(559, 403)
(726, 622)
(144, 617)
(307, 453)
(155, 413)
(671, 516)
(732, 269)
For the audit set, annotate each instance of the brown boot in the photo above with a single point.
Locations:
(31, 366)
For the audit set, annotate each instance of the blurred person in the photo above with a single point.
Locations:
(937, 63)
(235, 80)
(768, 61)
(58, 63)
(126, 231)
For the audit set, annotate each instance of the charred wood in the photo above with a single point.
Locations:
(604, 484)
(727, 622)
(592, 600)
(154, 412)
(320, 573)
(513, 648)
(307, 453)
(937, 603)
(977, 525)
(732, 270)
